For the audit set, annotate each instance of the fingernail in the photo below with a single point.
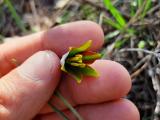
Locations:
(39, 67)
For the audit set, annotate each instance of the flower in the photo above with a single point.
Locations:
(77, 60)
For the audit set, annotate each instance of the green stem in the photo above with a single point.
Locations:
(16, 17)
(59, 112)
(74, 111)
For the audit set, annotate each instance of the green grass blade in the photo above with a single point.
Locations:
(146, 8)
(16, 17)
(89, 71)
(112, 23)
(118, 44)
(132, 12)
(133, 7)
(80, 49)
(116, 14)
(140, 3)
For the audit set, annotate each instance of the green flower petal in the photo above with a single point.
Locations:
(82, 48)
(75, 73)
(89, 71)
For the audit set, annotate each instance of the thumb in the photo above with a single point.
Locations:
(26, 89)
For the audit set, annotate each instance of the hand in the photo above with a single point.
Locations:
(25, 90)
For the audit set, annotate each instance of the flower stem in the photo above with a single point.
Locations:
(67, 104)
(59, 112)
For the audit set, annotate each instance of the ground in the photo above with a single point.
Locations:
(132, 36)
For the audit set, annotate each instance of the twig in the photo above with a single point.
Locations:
(60, 11)
(156, 86)
(100, 21)
(34, 11)
(143, 60)
(146, 23)
(136, 16)
(139, 50)
(153, 9)
(155, 75)
(137, 72)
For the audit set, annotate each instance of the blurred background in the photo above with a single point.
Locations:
(132, 36)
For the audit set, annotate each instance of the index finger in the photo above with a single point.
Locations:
(57, 39)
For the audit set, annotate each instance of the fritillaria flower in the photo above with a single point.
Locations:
(77, 60)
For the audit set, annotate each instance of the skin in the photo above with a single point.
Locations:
(24, 97)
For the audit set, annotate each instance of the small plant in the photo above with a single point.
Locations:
(76, 62)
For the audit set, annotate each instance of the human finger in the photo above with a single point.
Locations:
(57, 39)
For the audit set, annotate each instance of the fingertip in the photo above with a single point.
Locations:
(113, 83)
(42, 66)
(96, 29)
(73, 34)
(115, 75)
(121, 109)
(131, 109)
